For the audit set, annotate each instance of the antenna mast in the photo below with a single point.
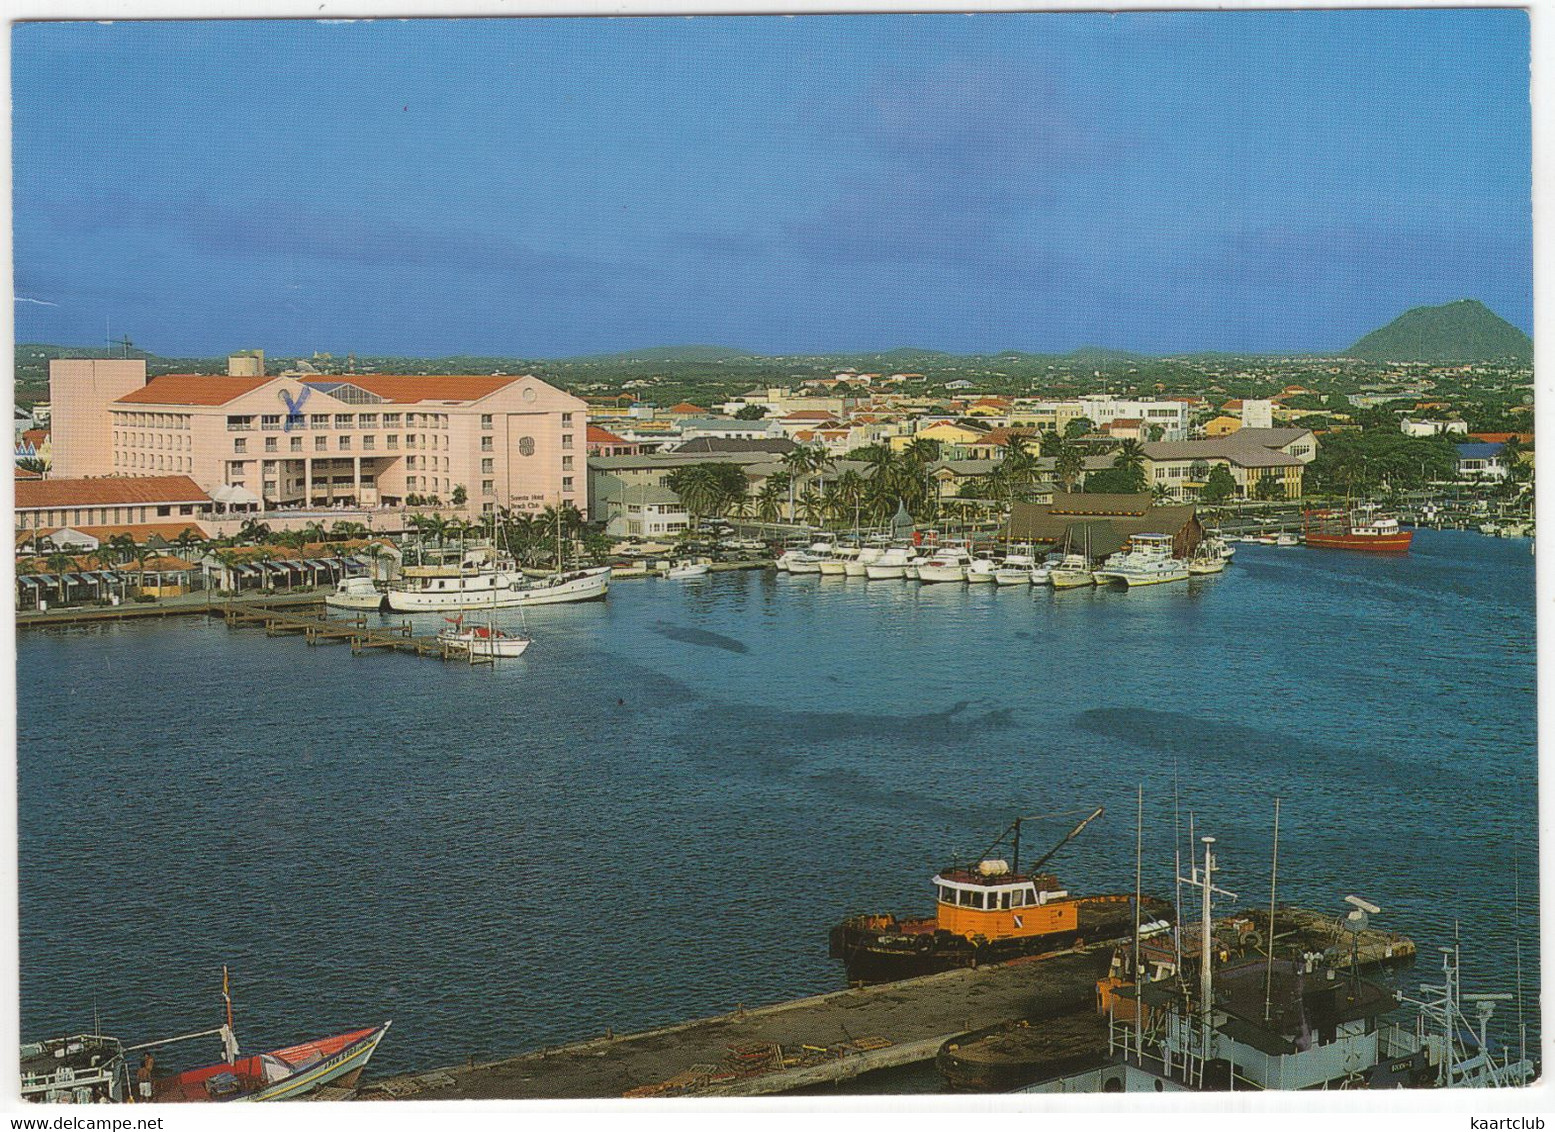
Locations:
(1139, 849)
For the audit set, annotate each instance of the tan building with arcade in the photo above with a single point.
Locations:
(364, 440)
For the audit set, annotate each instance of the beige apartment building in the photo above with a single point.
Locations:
(364, 440)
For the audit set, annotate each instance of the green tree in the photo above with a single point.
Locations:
(460, 496)
(1219, 486)
(1069, 465)
(1269, 487)
(1051, 444)
(1130, 457)
(923, 450)
(1080, 426)
(751, 413)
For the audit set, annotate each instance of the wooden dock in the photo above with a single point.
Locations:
(314, 624)
(820, 1040)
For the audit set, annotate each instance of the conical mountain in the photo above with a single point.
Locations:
(1454, 333)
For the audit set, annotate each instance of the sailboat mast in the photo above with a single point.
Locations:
(1139, 851)
(1274, 873)
(1205, 976)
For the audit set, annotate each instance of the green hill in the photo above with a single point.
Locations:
(1463, 331)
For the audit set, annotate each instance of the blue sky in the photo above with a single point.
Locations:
(1152, 181)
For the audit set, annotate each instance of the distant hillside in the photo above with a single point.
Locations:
(1463, 331)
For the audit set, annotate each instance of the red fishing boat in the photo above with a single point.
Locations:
(278, 1075)
(1363, 528)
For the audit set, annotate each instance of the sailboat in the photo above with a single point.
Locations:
(485, 642)
(1075, 569)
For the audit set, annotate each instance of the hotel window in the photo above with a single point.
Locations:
(240, 444)
(321, 443)
(566, 483)
(345, 420)
(566, 418)
(488, 487)
(369, 443)
(319, 420)
(391, 420)
(240, 424)
(368, 420)
(394, 440)
(566, 440)
(270, 422)
(345, 444)
(271, 444)
(296, 444)
(486, 444)
(567, 463)
(485, 420)
(486, 466)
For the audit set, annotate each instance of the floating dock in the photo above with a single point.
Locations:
(825, 1039)
(315, 625)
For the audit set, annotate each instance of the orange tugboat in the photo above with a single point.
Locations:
(985, 913)
(1364, 528)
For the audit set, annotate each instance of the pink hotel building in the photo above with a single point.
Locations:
(367, 440)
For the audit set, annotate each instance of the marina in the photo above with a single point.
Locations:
(690, 695)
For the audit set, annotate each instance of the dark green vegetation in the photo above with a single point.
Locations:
(1460, 332)
(1400, 353)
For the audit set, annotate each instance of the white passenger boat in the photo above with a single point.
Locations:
(1286, 538)
(694, 569)
(1206, 564)
(1041, 574)
(1147, 562)
(947, 564)
(355, 593)
(492, 584)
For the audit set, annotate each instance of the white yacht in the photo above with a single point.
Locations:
(355, 593)
(981, 570)
(1016, 569)
(481, 580)
(688, 569)
(858, 565)
(837, 565)
(1147, 562)
(1074, 571)
(892, 563)
(808, 560)
(947, 564)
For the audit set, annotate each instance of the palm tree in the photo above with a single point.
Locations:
(769, 499)
(922, 450)
(60, 564)
(796, 463)
(254, 531)
(699, 490)
(1130, 456)
(1051, 444)
(1069, 466)
(850, 488)
(811, 506)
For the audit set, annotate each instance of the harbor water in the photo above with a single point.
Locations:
(659, 810)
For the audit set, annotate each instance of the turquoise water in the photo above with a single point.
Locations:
(660, 809)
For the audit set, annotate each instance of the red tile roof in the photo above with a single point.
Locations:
(810, 415)
(597, 435)
(405, 389)
(687, 407)
(35, 436)
(191, 389)
(140, 532)
(109, 491)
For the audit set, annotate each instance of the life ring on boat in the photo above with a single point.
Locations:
(1250, 940)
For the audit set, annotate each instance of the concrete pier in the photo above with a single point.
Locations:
(813, 1041)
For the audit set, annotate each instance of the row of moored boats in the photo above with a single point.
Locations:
(1147, 559)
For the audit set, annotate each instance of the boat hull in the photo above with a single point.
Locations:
(1376, 544)
(1071, 579)
(1133, 581)
(856, 569)
(836, 568)
(883, 573)
(1013, 577)
(279, 1075)
(359, 603)
(927, 573)
(905, 949)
